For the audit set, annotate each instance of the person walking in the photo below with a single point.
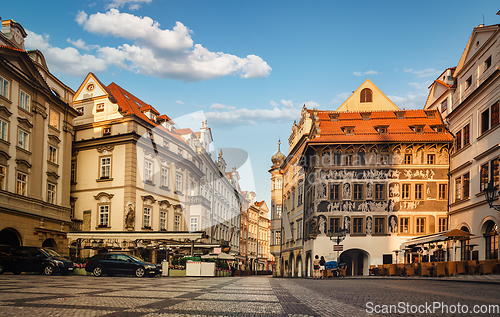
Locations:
(322, 263)
(316, 266)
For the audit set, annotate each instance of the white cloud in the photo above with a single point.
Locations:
(274, 104)
(312, 105)
(414, 99)
(78, 44)
(179, 102)
(165, 53)
(369, 72)
(340, 98)
(67, 60)
(287, 103)
(134, 4)
(423, 73)
(218, 106)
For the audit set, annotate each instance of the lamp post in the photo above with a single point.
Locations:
(491, 194)
(337, 237)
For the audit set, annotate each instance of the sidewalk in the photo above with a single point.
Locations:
(490, 278)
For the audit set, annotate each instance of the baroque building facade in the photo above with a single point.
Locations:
(370, 168)
(36, 132)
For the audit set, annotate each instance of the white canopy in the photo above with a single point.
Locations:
(220, 256)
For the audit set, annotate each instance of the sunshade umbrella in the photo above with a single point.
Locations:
(454, 235)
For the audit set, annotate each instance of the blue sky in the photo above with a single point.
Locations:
(251, 66)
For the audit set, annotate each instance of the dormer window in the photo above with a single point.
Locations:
(419, 129)
(468, 82)
(366, 116)
(106, 131)
(334, 116)
(400, 114)
(348, 130)
(366, 95)
(431, 114)
(149, 135)
(99, 108)
(80, 111)
(487, 63)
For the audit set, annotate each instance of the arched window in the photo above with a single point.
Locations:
(491, 240)
(464, 249)
(366, 95)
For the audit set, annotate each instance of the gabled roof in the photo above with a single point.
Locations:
(380, 100)
(398, 129)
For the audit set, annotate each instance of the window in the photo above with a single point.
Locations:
(73, 172)
(3, 130)
(466, 135)
(278, 212)
(404, 225)
(405, 191)
(105, 167)
(494, 171)
(379, 225)
(23, 140)
(418, 191)
(494, 114)
(293, 199)
(358, 191)
(164, 176)
(458, 140)
(348, 160)
(99, 108)
(431, 158)
(147, 217)
(487, 63)
(25, 101)
(334, 191)
(485, 120)
(408, 158)
(279, 184)
(420, 225)
(103, 216)
(442, 224)
(163, 220)
(51, 193)
(484, 176)
(301, 195)
(443, 190)
(177, 223)
(444, 105)
(21, 184)
(52, 154)
(366, 95)
(2, 177)
(4, 88)
(379, 191)
(491, 241)
(178, 182)
(299, 229)
(334, 225)
(458, 189)
(465, 188)
(179, 151)
(468, 82)
(80, 111)
(357, 225)
(165, 144)
(148, 171)
(54, 119)
(106, 131)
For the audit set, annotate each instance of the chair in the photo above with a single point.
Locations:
(342, 270)
(400, 269)
(461, 267)
(392, 270)
(329, 273)
(373, 270)
(451, 267)
(440, 269)
(496, 266)
(424, 269)
(486, 267)
(380, 270)
(410, 270)
(472, 267)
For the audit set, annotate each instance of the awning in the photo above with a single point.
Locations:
(133, 235)
(220, 256)
(437, 237)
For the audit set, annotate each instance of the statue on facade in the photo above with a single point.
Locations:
(369, 225)
(347, 224)
(322, 224)
(346, 191)
(393, 224)
(130, 216)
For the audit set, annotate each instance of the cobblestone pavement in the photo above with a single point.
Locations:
(38, 295)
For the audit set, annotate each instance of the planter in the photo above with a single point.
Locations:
(79, 271)
(176, 273)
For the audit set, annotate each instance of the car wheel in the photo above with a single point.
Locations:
(17, 272)
(139, 272)
(97, 271)
(1, 268)
(48, 269)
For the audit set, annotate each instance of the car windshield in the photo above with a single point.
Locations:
(50, 252)
(136, 258)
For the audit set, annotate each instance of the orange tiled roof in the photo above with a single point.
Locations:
(184, 131)
(398, 130)
(150, 108)
(12, 48)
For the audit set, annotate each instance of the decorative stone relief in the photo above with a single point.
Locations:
(322, 224)
(129, 216)
(346, 191)
(393, 224)
(105, 149)
(347, 224)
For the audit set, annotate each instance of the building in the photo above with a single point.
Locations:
(276, 208)
(372, 169)
(474, 121)
(36, 135)
(141, 185)
(441, 91)
(265, 259)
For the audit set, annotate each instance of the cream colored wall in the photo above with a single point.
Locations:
(380, 100)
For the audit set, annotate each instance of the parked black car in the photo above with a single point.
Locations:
(119, 263)
(20, 259)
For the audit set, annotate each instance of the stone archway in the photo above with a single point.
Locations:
(10, 236)
(291, 265)
(299, 266)
(356, 260)
(50, 243)
(308, 265)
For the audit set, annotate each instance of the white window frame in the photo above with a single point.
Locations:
(51, 193)
(164, 176)
(52, 154)
(3, 176)
(104, 215)
(99, 107)
(22, 183)
(163, 220)
(4, 87)
(4, 130)
(146, 219)
(105, 168)
(193, 224)
(23, 139)
(148, 170)
(177, 222)
(178, 182)
(81, 111)
(25, 101)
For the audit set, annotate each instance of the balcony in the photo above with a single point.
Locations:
(76, 225)
(199, 200)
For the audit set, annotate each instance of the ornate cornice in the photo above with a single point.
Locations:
(53, 174)
(25, 121)
(54, 137)
(103, 194)
(21, 161)
(37, 108)
(107, 148)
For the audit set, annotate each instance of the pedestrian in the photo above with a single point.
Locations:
(316, 267)
(322, 263)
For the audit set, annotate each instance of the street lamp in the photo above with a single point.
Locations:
(338, 236)
(491, 195)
